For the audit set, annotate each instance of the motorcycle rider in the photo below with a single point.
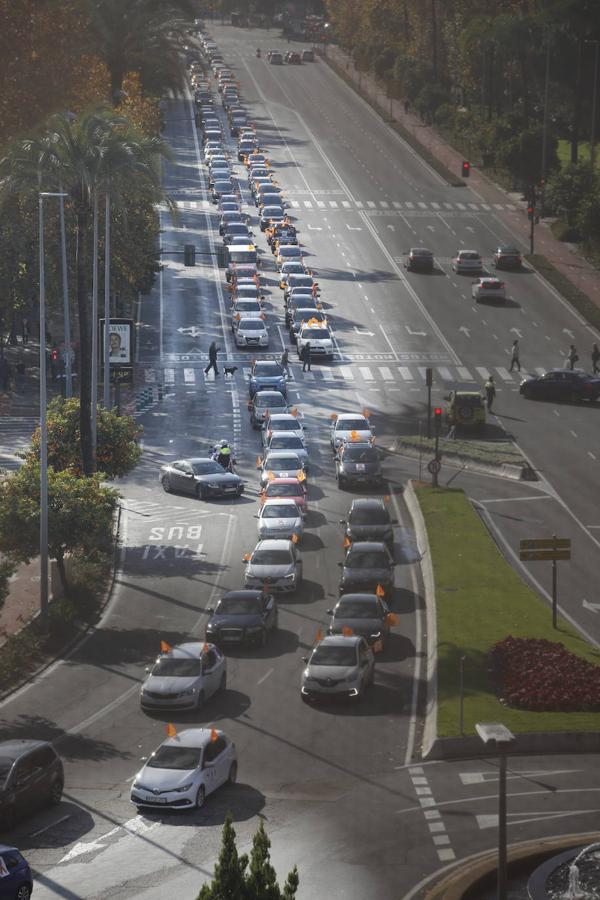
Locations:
(224, 456)
(258, 52)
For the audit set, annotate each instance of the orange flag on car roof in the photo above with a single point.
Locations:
(366, 413)
(318, 636)
(214, 734)
(164, 647)
(378, 646)
(205, 648)
(346, 541)
(347, 631)
(380, 591)
(392, 619)
(171, 730)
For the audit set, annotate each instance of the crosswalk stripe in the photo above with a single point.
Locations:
(405, 373)
(386, 373)
(366, 373)
(484, 373)
(435, 205)
(448, 205)
(410, 205)
(246, 372)
(503, 373)
(308, 204)
(321, 204)
(309, 376)
(445, 373)
(473, 206)
(333, 204)
(396, 205)
(189, 376)
(371, 204)
(169, 376)
(510, 206)
(485, 206)
(327, 375)
(422, 205)
(464, 373)
(347, 373)
(359, 204)
(461, 206)
(422, 372)
(498, 206)
(346, 204)
(295, 204)
(384, 204)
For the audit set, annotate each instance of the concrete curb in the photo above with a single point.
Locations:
(430, 727)
(502, 470)
(532, 743)
(470, 876)
(68, 648)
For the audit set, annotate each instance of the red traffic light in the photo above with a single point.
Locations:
(54, 355)
(530, 213)
(437, 411)
(466, 169)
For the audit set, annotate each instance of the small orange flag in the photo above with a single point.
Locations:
(205, 648)
(380, 591)
(300, 475)
(171, 730)
(386, 498)
(354, 435)
(347, 541)
(271, 475)
(318, 636)
(347, 631)
(392, 619)
(258, 462)
(164, 647)
(246, 557)
(295, 538)
(294, 411)
(377, 646)
(214, 734)
(366, 413)
(333, 416)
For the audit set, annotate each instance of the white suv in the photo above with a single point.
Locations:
(318, 335)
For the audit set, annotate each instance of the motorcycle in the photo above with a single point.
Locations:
(227, 460)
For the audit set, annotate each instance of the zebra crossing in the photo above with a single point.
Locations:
(15, 437)
(363, 376)
(379, 207)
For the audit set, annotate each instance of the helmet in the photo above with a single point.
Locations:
(224, 444)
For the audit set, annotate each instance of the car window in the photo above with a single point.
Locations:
(281, 511)
(42, 758)
(359, 454)
(367, 559)
(266, 370)
(271, 557)
(173, 757)
(283, 462)
(209, 660)
(214, 749)
(352, 425)
(252, 325)
(238, 606)
(286, 442)
(176, 667)
(358, 609)
(283, 490)
(206, 467)
(333, 655)
(377, 515)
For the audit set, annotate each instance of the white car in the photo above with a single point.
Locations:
(488, 289)
(467, 261)
(350, 427)
(275, 564)
(283, 422)
(318, 335)
(250, 332)
(185, 769)
(340, 665)
(287, 440)
(184, 677)
(245, 308)
(280, 518)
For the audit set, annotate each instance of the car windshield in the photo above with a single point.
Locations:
(242, 256)
(248, 306)
(175, 758)
(263, 370)
(252, 325)
(283, 463)
(332, 655)
(286, 442)
(360, 454)
(464, 255)
(5, 767)
(316, 334)
(272, 401)
(467, 400)
(237, 228)
(206, 467)
(352, 425)
(239, 606)
(357, 609)
(285, 425)
(169, 667)
(371, 516)
(280, 511)
(284, 490)
(271, 557)
(298, 280)
(420, 252)
(367, 559)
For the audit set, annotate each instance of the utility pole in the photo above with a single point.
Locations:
(545, 129)
(94, 398)
(596, 44)
(66, 308)
(106, 341)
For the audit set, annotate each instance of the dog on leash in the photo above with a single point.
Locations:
(230, 370)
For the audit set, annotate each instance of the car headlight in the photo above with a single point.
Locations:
(188, 692)
(307, 676)
(138, 786)
(183, 788)
(290, 577)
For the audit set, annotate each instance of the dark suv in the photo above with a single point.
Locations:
(31, 775)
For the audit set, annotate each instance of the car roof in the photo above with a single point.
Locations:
(283, 417)
(281, 454)
(421, 251)
(286, 434)
(368, 502)
(268, 395)
(294, 481)
(13, 749)
(192, 737)
(274, 544)
(190, 650)
(270, 362)
(357, 596)
(277, 501)
(341, 640)
(345, 416)
(243, 594)
(367, 545)
(8, 848)
(195, 459)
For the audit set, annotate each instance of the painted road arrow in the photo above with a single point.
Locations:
(593, 607)
(353, 227)
(569, 332)
(465, 330)
(416, 333)
(517, 332)
(368, 333)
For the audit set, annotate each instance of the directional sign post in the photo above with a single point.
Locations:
(552, 549)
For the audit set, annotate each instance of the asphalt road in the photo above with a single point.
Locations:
(339, 786)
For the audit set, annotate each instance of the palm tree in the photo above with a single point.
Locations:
(95, 154)
(144, 36)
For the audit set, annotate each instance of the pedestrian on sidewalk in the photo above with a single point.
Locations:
(490, 392)
(212, 359)
(595, 359)
(305, 357)
(572, 357)
(284, 362)
(514, 359)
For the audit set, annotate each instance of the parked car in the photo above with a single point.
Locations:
(31, 776)
(16, 881)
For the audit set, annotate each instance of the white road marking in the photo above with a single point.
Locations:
(446, 854)
(468, 778)
(50, 825)
(445, 373)
(366, 373)
(386, 373)
(465, 374)
(189, 376)
(346, 372)
(405, 373)
(265, 676)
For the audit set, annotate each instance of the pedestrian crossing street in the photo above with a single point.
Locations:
(379, 207)
(357, 375)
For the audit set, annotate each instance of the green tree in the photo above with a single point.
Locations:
(232, 882)
(7, 568)
(566, 190)
(118, 450)
(97, 153)
(80, 515)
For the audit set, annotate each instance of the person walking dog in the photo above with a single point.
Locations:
(212, 359)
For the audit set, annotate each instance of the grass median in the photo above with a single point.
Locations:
(480, 600)
(492, 453)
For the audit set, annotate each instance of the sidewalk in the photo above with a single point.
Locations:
(23, 600)
(562, 256)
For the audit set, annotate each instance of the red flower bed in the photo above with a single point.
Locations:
(541, 675)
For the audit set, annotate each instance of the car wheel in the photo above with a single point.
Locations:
(201, 492)
(223, 682)
(232, 773)
(56, 791)
(200, 797)
(166, 483)
(23, 892)
(200, 700)
(527, 393)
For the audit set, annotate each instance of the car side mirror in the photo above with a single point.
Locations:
(305, 659)
(329, 612)
(343, 522)
(210, 610)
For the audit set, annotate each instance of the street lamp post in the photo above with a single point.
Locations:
(43, 419)
(545, 129)
(502, 737)
(94, 398)
(66, 309)
(106, 343)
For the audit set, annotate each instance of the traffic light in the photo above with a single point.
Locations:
(530, 212)
(189, 255)
(428, 376)
(466, 169)
(54, 354)
(437, 418)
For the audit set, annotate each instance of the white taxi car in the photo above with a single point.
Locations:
(488, 289)
(249, 332)
(184, 677)
(469, 261)
(185, 769)
(347, 427)
(318, 335)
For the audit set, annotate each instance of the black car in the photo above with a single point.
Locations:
(242, 617)
(561, 384)
(365, 614)
(295, 317)
(286, 234)
(357, 463)
(267, 375)
(31, 776)
(201, 477)
(16, 882)
(368, 566)
(369, 520)
(419, 259)
(237, 229)
(507, 258)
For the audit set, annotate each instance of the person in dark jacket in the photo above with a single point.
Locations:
(305, 357)
(212, 359)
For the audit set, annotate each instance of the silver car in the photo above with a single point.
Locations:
(339, 665)
(249, 332)
(467, 261)
(281, 464)
(280, 518)
(283, 422)
(275, 565)
(184, 677)
(350, 427)
(288, 440)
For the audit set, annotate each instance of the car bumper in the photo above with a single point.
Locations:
(362, 477)
(163, 703)
(314, 692)
(276, 587)
(168, 801)
(234, 491)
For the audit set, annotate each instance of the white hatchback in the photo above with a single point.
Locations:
(318, 335)
(488, 289)
(185, 769)
(250, 332)
(467, 261)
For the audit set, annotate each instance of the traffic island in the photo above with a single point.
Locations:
(475, 600)
(495, 457)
